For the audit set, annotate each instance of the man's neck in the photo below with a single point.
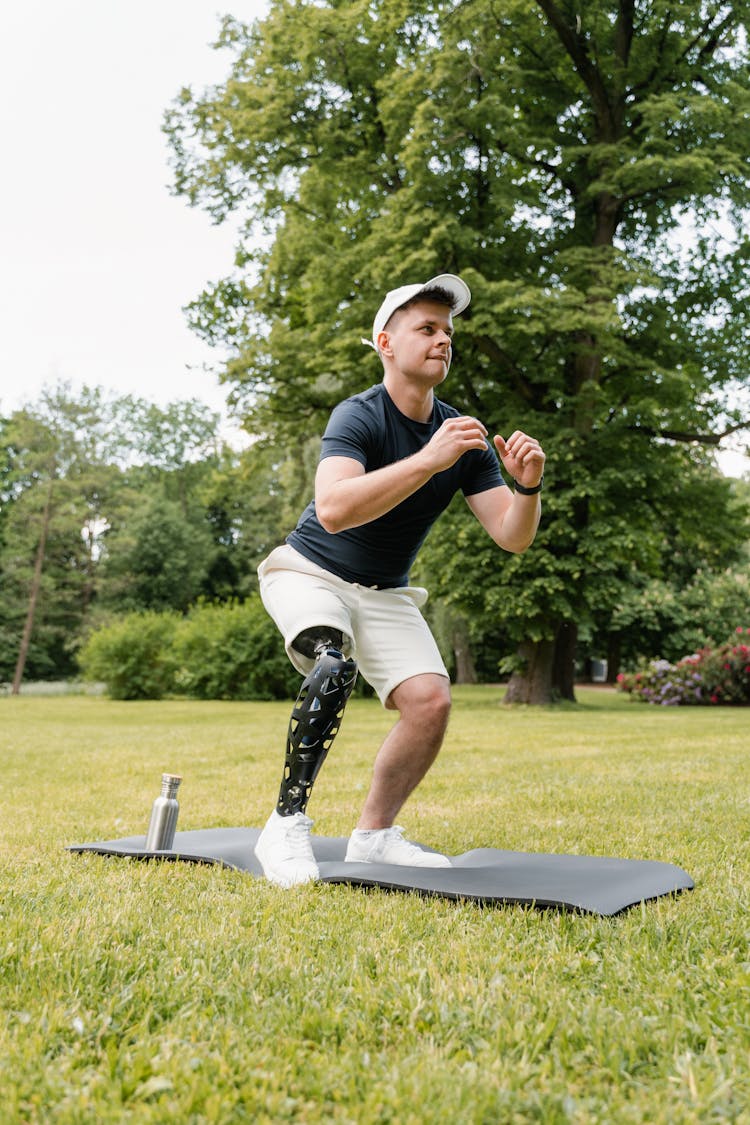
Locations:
(415, 402)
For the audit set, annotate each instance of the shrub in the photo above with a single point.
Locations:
(224, 651)
(132, 655)
(233, 651)
(718, 675)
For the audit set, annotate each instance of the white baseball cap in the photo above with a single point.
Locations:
(394, 299)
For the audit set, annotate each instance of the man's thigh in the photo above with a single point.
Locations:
(393, 641)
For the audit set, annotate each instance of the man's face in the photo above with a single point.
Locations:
(419, 341)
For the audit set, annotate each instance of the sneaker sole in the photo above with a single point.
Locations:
(445, 862)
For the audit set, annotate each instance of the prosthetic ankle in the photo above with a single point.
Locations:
(316, 716)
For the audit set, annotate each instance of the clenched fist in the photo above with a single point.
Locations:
(523, 457)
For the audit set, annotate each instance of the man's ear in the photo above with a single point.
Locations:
(384, 343)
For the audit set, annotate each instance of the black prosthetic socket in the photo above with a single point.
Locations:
(311, 642)
(316, 718)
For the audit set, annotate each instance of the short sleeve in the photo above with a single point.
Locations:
(482, 472)
(349, 433)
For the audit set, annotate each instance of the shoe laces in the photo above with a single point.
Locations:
(297, 835)
(396, 834)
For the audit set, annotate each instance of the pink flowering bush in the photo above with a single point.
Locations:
(710, 676)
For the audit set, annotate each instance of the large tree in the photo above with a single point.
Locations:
(585, 168)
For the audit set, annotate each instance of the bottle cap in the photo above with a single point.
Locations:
(170, 783)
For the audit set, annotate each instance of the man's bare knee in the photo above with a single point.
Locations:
(424, 698)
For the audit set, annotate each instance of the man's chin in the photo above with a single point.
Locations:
(438, 369)
(432, 373)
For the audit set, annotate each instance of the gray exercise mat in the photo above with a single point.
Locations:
(593, 884)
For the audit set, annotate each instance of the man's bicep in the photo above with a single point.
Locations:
(490, 507)
(333, 469)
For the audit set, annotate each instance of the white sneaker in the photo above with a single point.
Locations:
(387, 845)
(285, 851)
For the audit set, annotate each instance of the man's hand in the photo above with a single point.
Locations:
(523, 457)
(510, 517)
(454, 438)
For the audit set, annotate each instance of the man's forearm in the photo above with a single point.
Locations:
(355, 500)
(519, 523)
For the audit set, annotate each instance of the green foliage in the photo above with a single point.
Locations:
(249, 499)
(557, 160)
(551, 163)
(58, 476)
(112, 505)
(127, 507)
(6, 466)
(658, 617)
(157, 559)
(718, 675)
(679, 593)
(232, 651)
(168, 439)
(133, 656)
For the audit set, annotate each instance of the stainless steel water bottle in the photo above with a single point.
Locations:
(163, 821)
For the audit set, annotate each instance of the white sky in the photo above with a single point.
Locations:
(97, 258)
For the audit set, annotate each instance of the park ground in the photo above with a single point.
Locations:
(173, 993)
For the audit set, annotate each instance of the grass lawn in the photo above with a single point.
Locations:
(155, 992)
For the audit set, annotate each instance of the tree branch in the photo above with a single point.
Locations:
(588, 72)
(499, 355)
(684, 436)
(646, 83)
(624, 30)
(713, 34)
(553, 170)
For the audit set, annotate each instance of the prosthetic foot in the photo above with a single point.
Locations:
(285, 851)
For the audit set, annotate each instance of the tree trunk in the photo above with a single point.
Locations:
(548, 670)
(36, 582)
(466, 673)
(564, 664)
(533, 683)
(614, 647)
(87, 590)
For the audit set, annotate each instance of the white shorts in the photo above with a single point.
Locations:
(383, 629)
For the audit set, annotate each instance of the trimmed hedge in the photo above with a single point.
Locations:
(227, 651)
(133, 655)
(232, 651)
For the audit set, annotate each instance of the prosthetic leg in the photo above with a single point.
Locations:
(316, 716)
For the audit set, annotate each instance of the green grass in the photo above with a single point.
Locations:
(139, 992)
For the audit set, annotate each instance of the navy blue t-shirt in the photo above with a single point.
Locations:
(371, 429)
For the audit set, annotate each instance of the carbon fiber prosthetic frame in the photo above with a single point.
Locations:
(316, 718)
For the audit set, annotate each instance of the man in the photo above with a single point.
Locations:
(392, 459)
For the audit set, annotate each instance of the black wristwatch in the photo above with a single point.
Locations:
(528, 491)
